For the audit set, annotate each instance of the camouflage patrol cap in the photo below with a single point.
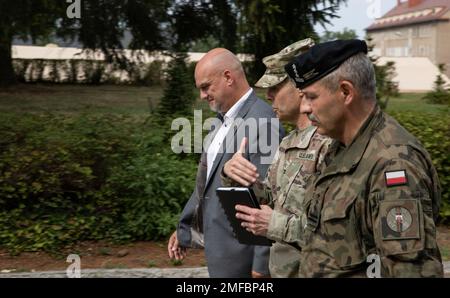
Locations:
(275, 72)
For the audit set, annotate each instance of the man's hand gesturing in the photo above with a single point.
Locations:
(240, 169)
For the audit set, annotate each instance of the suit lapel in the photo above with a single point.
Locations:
(201, 175)
(230, 136)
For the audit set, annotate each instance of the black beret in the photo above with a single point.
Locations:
(321, 60)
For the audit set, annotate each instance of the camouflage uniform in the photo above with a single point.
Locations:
(297, 159)
(355, 208)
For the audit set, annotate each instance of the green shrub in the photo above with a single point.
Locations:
(178, 98)
(154, 74)
(64, 179)
(154, 189)
(94, 72)
(438, 97)
(434, 133)
(440, 94)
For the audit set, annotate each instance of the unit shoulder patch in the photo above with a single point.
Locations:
(400, 219)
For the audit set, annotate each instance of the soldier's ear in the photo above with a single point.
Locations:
(347, 90)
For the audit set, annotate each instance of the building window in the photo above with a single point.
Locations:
(397, 52)
(424, 51)
(424, 31)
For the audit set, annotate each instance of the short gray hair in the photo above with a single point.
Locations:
(357, 69)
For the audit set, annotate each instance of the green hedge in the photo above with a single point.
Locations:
(433, 130)
(65, 179)
(113, 177)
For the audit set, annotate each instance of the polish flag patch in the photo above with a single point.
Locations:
(396, 178)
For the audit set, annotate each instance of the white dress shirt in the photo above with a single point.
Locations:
(228, 119)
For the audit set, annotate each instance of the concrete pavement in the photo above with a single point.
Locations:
(200, 272)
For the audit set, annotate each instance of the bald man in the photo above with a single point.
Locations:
(221, 80)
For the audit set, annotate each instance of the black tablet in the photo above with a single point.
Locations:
(230, 197)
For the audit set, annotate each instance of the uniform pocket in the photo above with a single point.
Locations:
(286, 181)
(341, 227)
(294, 202)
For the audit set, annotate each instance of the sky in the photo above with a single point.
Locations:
(358, 15)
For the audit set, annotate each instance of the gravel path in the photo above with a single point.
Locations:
(201, 272)
(117, 273)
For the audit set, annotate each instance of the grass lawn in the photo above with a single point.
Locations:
(134, 99)
(413, 102)
(79, 99)
(406, 102)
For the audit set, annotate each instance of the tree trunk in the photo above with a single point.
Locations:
(7, 76)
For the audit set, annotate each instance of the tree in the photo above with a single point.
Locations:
(226, 16)
(267, 26)
(263, 26)
(440, 94)
(196, 24)
(103, 23)
(25, 19)
(178, 93)
(101, 26)
(345, 34)
(189, 21)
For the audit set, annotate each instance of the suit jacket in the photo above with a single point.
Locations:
(225, 256)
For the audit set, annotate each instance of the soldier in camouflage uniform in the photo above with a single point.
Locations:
(296, 160)
(378, 193)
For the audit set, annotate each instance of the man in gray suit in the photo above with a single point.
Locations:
(221, 80)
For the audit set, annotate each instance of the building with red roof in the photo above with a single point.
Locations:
(414, 28)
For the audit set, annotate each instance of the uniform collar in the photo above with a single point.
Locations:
(344, 159)
(301, 138)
